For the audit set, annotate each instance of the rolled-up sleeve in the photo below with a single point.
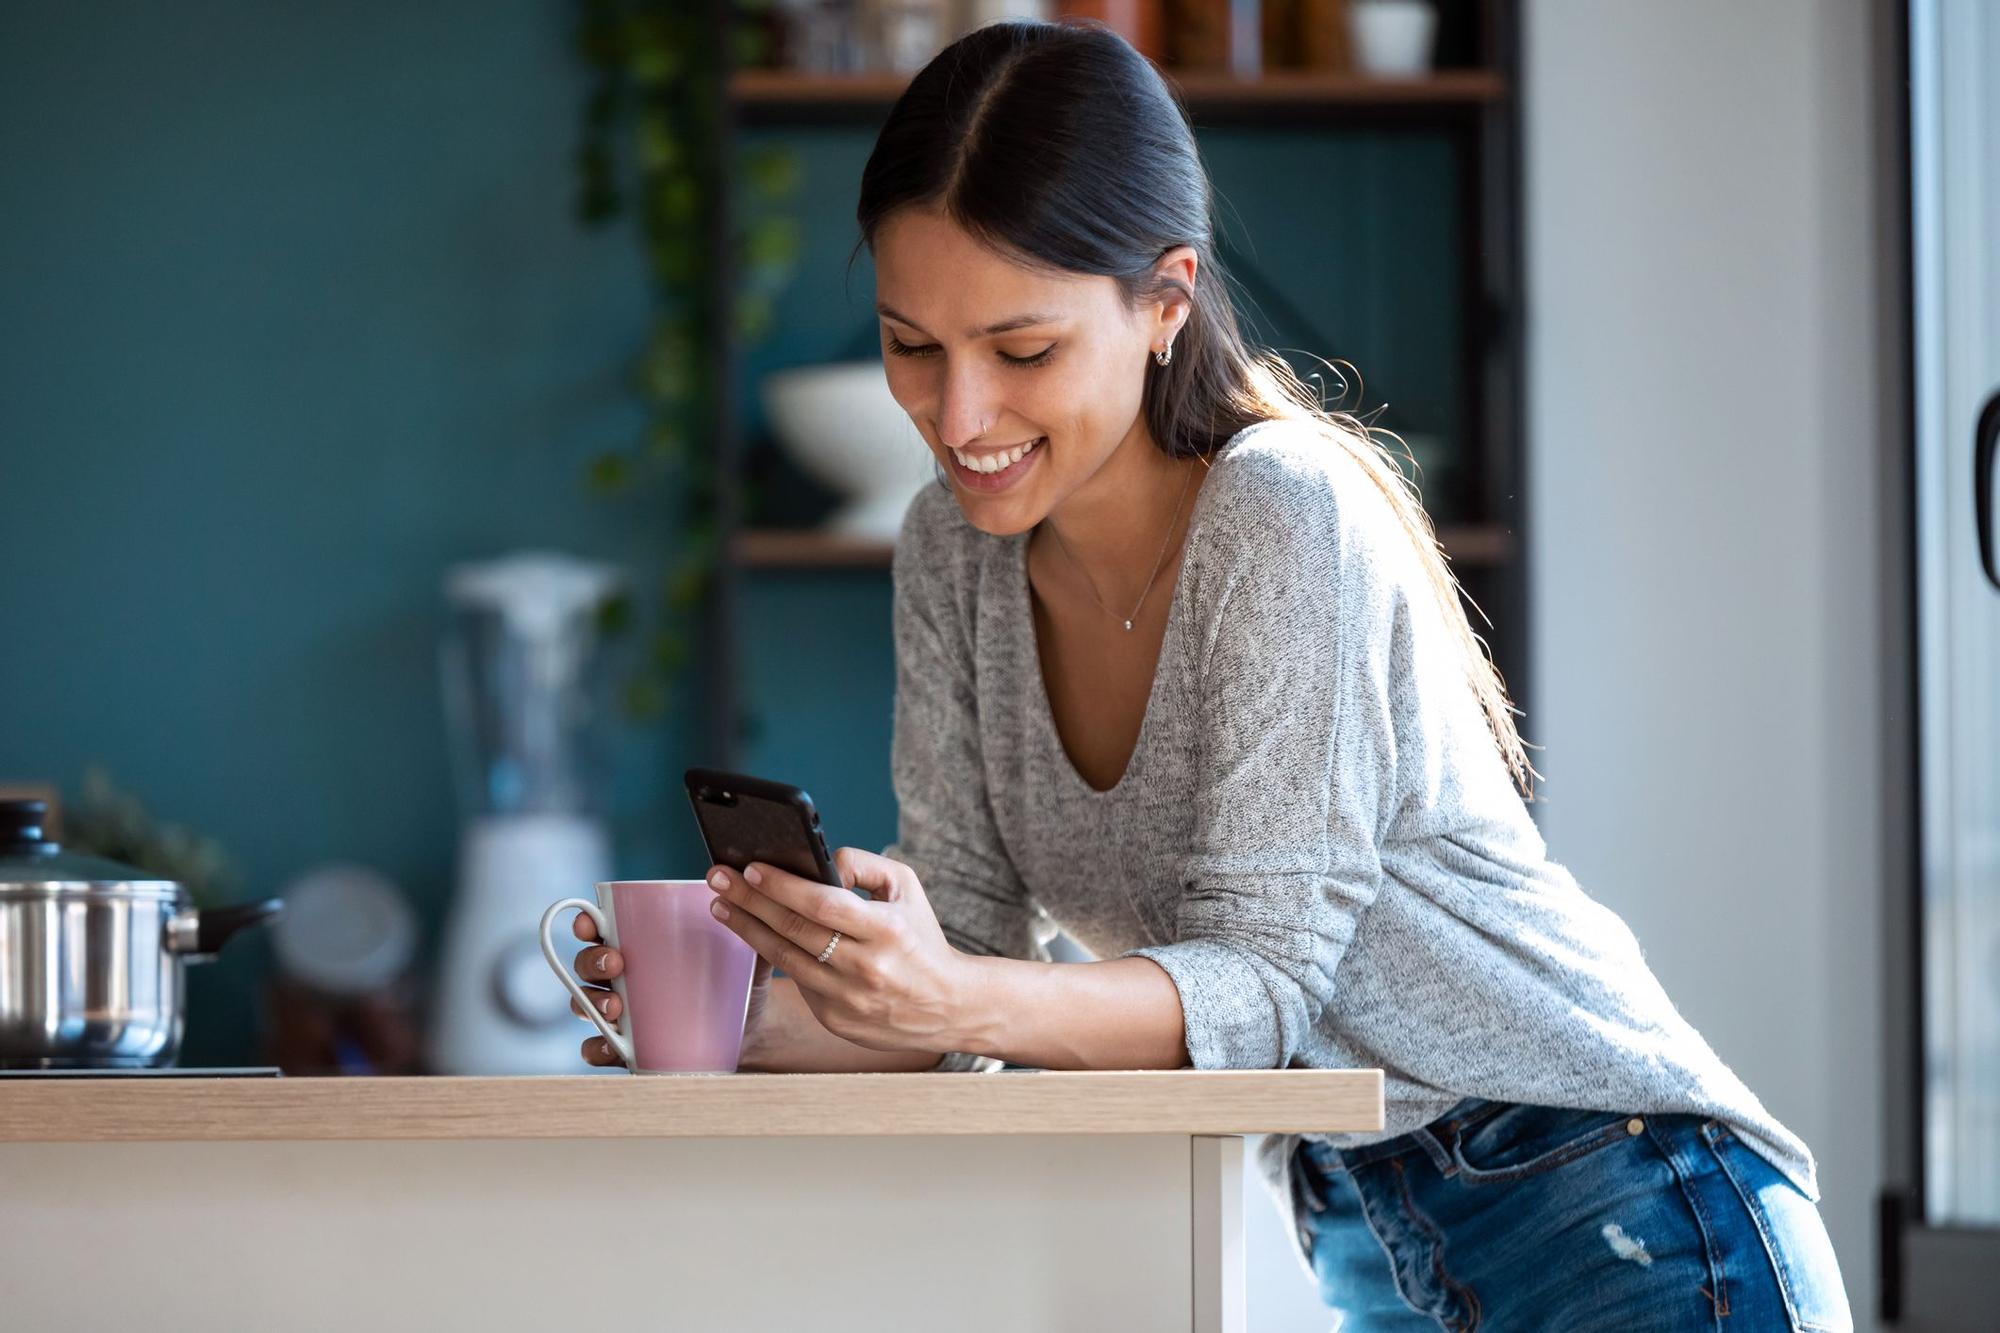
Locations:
(1313, 617)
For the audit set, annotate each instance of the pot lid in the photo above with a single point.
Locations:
(29, 858)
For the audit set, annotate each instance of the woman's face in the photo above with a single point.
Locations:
(1023, 382)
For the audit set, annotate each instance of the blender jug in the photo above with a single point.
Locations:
(525, 688)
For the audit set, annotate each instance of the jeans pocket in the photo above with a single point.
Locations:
(1521, 1140)
(1793, 1233)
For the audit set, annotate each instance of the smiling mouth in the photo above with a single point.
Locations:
(999, 460)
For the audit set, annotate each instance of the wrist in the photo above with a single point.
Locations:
(979, 1025)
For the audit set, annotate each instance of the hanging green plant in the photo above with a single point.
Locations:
(654, 147)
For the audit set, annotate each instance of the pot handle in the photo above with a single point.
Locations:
(199, 935)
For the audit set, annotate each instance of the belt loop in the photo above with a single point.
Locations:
(1440, 1158)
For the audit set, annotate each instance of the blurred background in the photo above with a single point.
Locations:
(425, 429)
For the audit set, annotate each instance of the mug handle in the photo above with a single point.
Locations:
(620, 1042)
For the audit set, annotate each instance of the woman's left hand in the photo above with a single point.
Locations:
(892, 982)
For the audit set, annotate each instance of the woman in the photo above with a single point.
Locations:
(1180, 667)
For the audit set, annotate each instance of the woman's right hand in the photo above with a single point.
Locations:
(604, 964)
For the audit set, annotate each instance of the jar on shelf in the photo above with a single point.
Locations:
(821, 36)
(1143, 23)
(1216, 35)
(979, 13)
(1324, 37)
(903, 35)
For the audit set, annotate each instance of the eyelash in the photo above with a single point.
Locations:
(1040, 358)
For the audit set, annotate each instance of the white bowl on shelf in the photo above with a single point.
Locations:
(1393, 39)
(840, 424)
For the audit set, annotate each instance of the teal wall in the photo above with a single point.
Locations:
(294, 314)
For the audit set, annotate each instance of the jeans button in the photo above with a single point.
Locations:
(1635, 1126)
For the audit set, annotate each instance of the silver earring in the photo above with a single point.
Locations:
(1165, 355)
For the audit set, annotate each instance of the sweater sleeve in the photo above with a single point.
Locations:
(1312, 618)
(945, 827)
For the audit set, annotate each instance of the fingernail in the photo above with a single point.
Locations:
(718, 881)
(754, 875)
(721, 911)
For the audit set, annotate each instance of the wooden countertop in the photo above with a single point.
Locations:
(1225, 1101)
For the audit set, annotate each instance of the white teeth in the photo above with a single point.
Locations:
(1006, 458)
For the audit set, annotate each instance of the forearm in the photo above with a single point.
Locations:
(1122, 1013)
(788, 1039)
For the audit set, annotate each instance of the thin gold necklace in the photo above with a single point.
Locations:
(1091, 584)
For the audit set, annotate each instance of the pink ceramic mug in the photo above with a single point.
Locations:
(685, 989)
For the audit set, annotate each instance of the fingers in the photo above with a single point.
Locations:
(599, 964)
(604, 1001)
(796, 959)
(885, 880)
(798, 908)
(746, 902)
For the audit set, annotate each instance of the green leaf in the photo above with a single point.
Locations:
(773, 172)
(665, 441)
(688, 585)
(772, 243)
(677, 199)
(609, 474)
(667, 369)
(669, 651)
(645, 697)
(754, 314)
(615, 615)
(659, 147)
(676, 261)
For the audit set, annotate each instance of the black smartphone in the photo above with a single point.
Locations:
(745, 819)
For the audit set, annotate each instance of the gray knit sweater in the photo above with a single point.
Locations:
(1316, 836)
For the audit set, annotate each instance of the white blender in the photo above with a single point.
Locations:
(524, 688)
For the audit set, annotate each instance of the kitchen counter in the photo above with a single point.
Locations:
(690, 1106)
(1018, 1200)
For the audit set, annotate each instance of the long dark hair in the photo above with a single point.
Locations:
(1061, 147)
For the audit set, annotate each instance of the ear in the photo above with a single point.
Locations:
(1177, 266)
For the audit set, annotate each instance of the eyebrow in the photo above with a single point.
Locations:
(1004, 326)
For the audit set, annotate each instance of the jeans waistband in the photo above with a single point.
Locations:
(1427, 1140)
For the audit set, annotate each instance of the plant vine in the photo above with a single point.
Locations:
(654, 147)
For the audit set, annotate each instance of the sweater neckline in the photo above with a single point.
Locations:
(1044, 719)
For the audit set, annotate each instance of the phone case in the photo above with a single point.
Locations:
(744, 819)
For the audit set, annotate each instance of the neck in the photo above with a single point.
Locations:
(1116, 524)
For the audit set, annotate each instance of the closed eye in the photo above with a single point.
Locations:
(897, 346)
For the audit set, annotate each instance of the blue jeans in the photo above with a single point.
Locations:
(1506, 1217)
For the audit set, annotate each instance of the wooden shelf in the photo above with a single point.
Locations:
(1468, 545)
(780, 90)
(1218, 1101)
(809, 548)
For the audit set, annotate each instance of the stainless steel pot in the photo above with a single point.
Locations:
(91, 953)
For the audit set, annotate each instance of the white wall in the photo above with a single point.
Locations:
(1705, 338)
(1704, 345)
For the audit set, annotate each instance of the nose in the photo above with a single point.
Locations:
(968, 408)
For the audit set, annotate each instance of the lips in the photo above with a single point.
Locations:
(997, 470)
(997, 460)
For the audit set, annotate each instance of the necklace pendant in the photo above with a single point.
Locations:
(1128, 624)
